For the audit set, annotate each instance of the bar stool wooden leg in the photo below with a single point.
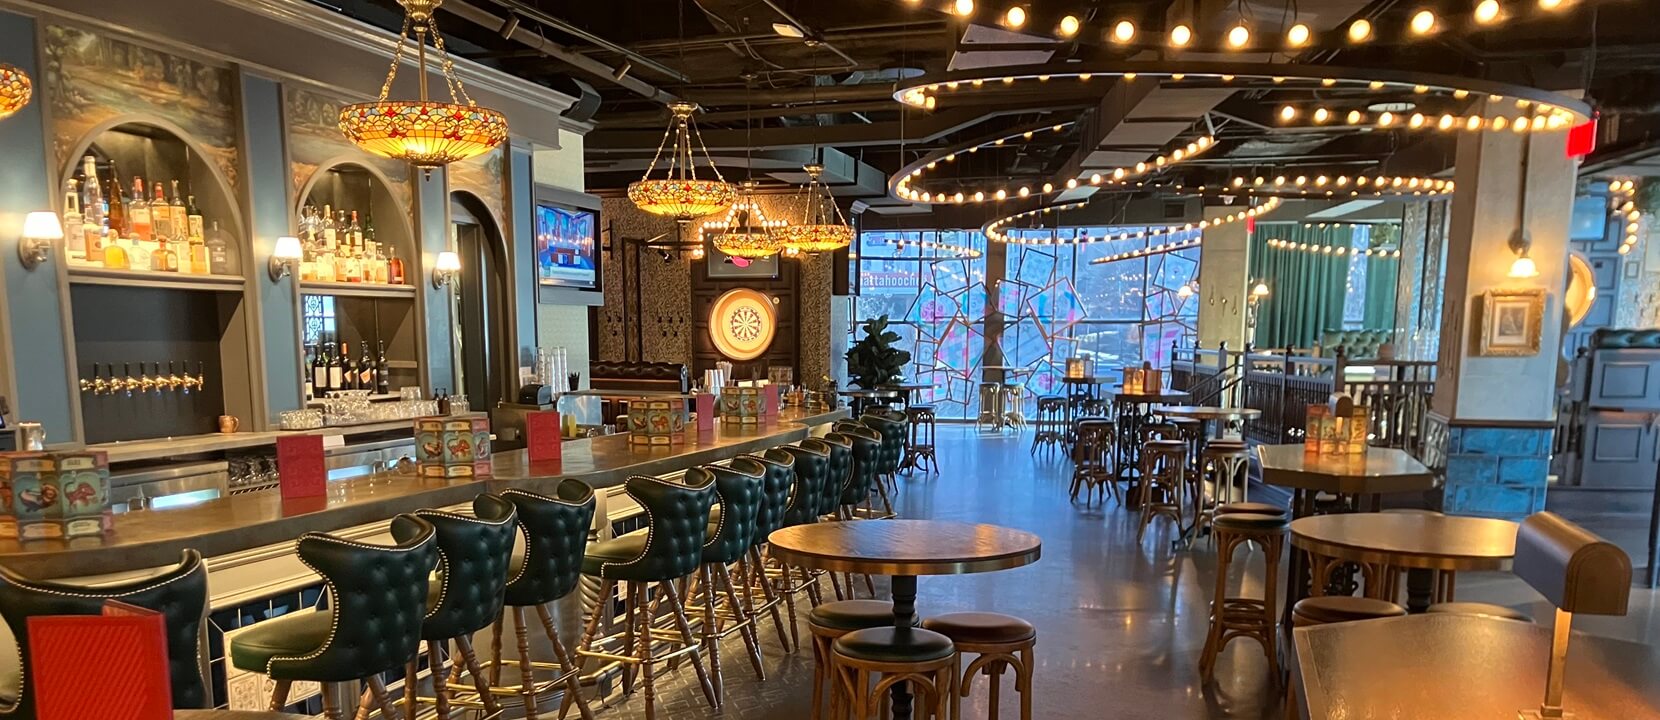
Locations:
(377, 688)
(679, 611)
(573, 684)
(495, 652)
(469, 660)
(279, 694)
(745, 615)
(527, 675)
(331, 706)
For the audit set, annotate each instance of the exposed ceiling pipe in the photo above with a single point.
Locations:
(863, 33)
(565, 26)
(586, 65)
(656, 119)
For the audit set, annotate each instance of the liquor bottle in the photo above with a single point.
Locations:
(337, 372)
(164, 259)
(378, 263)
(198, 256)
(355, 230)
(348, 366)
(139, 255)
(308, 244)
(309, 365)
(320, 370)
(181, 226)
(72, 221)
(116, 254)
(193, 221)
(218, 252)
(92, 211)
(343, 250)
(383, 373)
(366, 371)
(161, 215)
(138, 212)
(330, 232)
(116, 208)
(394, 267)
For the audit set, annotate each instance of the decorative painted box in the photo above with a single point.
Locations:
(453, 447)
(741, 405)
(657, 422)
(56, 495)
(1142, 380)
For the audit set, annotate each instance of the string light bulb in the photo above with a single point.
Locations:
(1298, 35)
(1123, 32)
(1423, 22)
(1015, 17)
(1180, 36)
(964, 8)
(1069, 26)
(1360, 30)
(1487, 12)
(1239, 36)
(1552, 4)
(1288, 113)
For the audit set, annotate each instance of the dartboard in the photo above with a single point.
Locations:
(742, 323)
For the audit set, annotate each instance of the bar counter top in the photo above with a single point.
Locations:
(152, 538)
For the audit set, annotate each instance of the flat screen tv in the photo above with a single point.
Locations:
(565, 246)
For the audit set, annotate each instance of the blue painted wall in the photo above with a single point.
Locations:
(522, 245)
(432, 213)
(1496, 471)
(33, 306)
(271, 217)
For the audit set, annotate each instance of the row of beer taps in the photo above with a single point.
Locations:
(127, 384)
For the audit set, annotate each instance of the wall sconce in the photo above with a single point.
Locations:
(446, 270)
(1522, 266)
(1259, 292)
(39, 230)
(285, 257)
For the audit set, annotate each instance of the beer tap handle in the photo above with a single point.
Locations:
(128, 382)
(161, 380)
(101, 385)
(86, 383)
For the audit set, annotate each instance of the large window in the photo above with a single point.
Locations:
(1042, 304)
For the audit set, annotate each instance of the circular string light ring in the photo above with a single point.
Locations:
(905, 184)
(1338, 250)
(996, 229)
(944, 251)
(929, 91)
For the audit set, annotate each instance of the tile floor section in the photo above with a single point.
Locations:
(1120, 626)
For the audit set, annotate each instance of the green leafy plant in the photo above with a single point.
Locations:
(873, 361)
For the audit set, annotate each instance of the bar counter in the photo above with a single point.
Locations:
(151, 538)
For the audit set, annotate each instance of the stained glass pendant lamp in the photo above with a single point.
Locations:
(423, 132)
(15, 90)
(745, 232)
(679, 193)
(822, 227)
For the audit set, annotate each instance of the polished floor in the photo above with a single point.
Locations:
(1120, 625)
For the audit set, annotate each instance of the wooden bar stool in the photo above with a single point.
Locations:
(991, 407)
(1001, 642)
(1163, 488)
(1232, 617)
(1049, 426)
(887, 656)
(1014, 406)
(1227, 467)
(1092, 469)
(919, 450)
(828, 622)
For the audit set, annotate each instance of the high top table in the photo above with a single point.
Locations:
(904, 549)
(1415, 541)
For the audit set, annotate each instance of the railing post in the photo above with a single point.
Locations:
(1337, 370)
(1285, 393)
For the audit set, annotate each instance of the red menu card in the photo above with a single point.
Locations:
(126, 647)
(544, 436)
(300, 471)
(771, 395)
(705, 412)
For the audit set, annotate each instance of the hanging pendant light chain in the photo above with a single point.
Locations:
(397, 59)
(458, 92)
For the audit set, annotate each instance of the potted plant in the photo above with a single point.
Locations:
(873, 361)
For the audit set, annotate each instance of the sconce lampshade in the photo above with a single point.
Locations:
(288, 248)
(42, 226)
(448, 262)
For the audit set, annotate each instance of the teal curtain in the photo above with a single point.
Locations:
(1306, 289)
(1380, 292)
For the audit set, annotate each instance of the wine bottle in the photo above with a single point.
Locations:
(138, 212)
(350, 365)
(366, 371)
(320, 370)
(161, 215)
(383, 373)
(337, 372)
(72, 220)
(394, 267)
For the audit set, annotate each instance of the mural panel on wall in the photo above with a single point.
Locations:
(314, 141)
(93, 80)
(483, 177)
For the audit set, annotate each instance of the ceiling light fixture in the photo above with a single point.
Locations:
(422, 132)
(679, 194)
(1298, 35)
(1423, 23)
(822, 227)
(15, 90)
(1487, 12)
(745, 231)
(784, 29)
(1180, 36)
(1360, 30)
(1553, 4)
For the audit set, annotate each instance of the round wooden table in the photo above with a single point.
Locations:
(1207, 414)
(904, 549)
(1413, 541)
(863, 399)
(908, 390)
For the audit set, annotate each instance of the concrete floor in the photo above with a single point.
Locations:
(1120, 625)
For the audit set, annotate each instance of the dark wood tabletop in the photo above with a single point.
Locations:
(887, 392)
(1207, 412)
(1413, 540)
(1378, 470)
(1153, 396)
(905, 547)
(1091, 380)
(1450, 667)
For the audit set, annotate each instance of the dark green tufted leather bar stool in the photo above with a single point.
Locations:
(837, 473)
(180, 594)
(894, 430)
(671, 548)
(466, 596)
(867, 464)
(555, 531)
(377, 605)
(789, 499)
(740, 488)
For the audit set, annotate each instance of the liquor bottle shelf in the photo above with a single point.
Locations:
(87, 275)
(347, 289)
